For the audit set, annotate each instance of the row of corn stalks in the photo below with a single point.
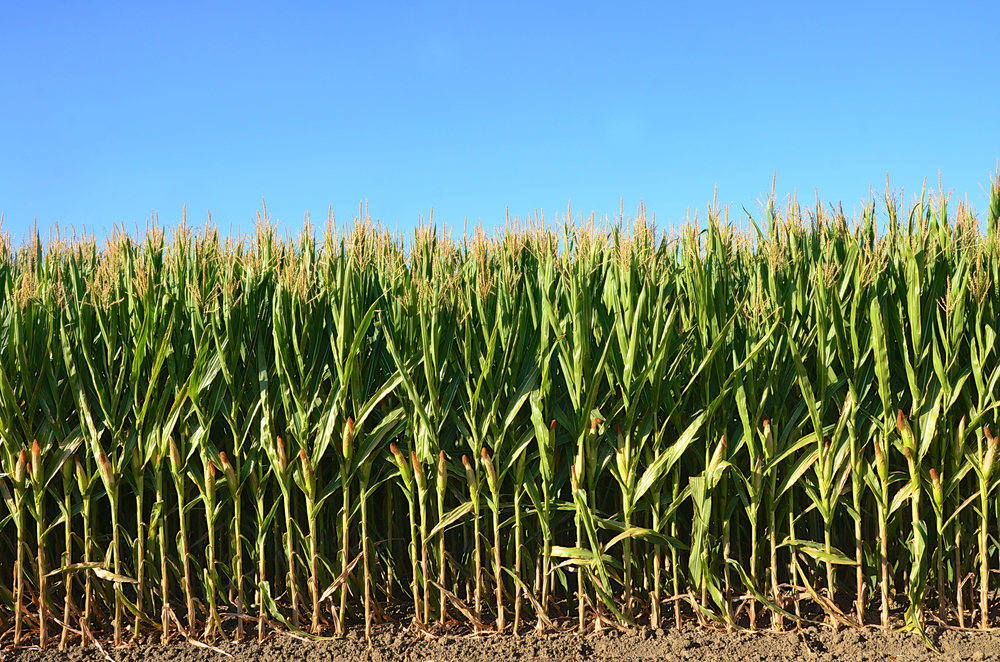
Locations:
(583, 425)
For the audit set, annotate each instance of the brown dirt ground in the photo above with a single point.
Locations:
(391, 642)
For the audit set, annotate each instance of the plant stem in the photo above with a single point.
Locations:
(293, 588)
(654, 611)
(518, 545)
(777, 619)
(185, 560)
(497, 566)
(473, 480)
(413, 561)
(959, 591)
(116, 550)
(213, 622)
(236, 545)
(87, 586)
(140, 561)
(365, 551)
(43, 591)
(984, 560)
(19, 571)
(261, 565)
(67, 559)
(831, 584)
(674, 565)
(442, 482)
(161, 535)
(345, 543)
(883, 536)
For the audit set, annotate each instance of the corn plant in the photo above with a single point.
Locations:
(591, 423)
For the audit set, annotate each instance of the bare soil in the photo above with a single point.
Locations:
(392, 642)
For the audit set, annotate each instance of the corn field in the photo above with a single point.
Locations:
(580, 425)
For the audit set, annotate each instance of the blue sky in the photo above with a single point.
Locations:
(109, 111)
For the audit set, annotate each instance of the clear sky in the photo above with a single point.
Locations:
(109, 111)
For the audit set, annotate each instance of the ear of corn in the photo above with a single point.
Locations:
(592, 424)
